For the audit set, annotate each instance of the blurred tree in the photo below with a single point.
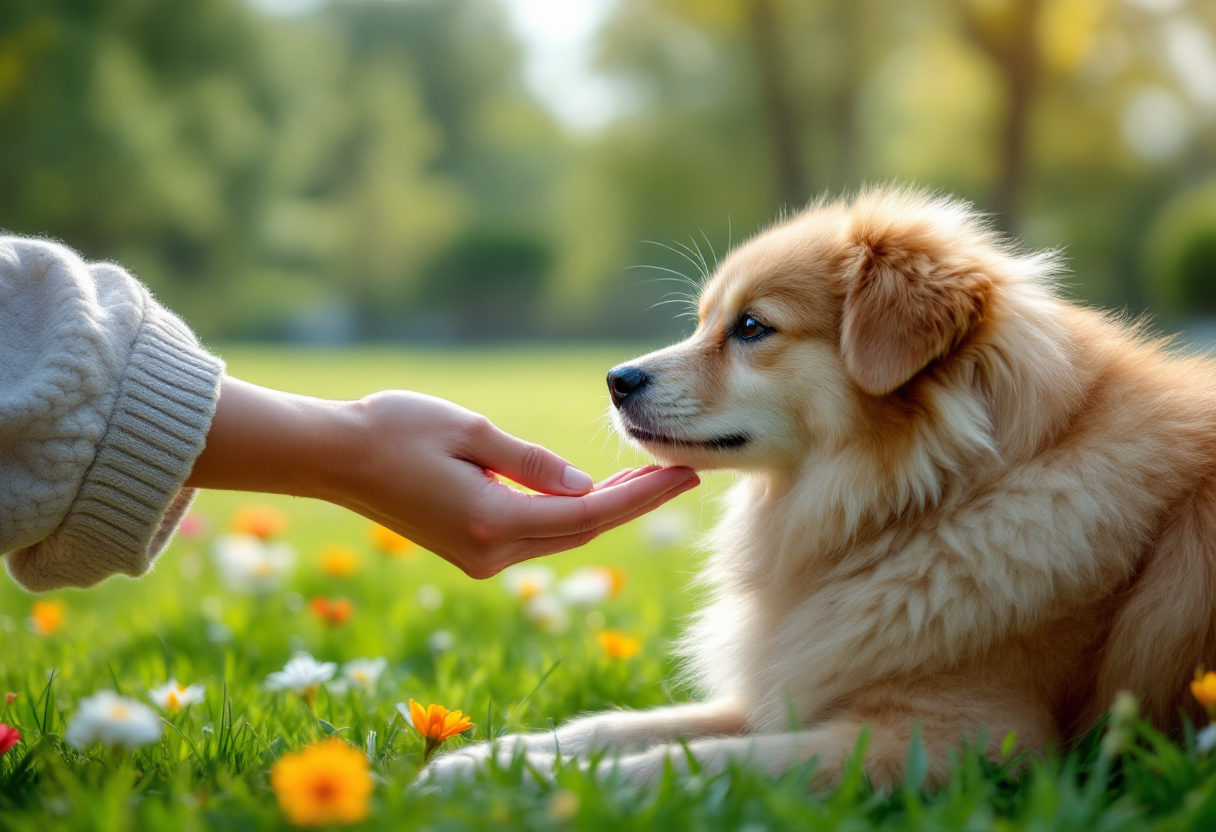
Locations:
(1180, 254)
(1008, 33)
(765, 28)
(490, 282)
(135, 130)
(285, 164)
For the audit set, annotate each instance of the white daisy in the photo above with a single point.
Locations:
(549, 612)
(302, 674)
(528, 580)
(586, 587)
(247, 564)
(1205, 739)
(364, 672)
(441, 641)
(429, 597)
(668, 526)
(172, 697)
(114, 721)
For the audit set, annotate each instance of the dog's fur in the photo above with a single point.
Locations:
(966, 503)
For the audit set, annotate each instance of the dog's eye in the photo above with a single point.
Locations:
(749, 329)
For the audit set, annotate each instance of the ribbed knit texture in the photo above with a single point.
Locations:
(130, 495)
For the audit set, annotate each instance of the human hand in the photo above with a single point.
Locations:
(423, 467)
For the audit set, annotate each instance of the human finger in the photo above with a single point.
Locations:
(547, 516)
(531, 465)
(625, 476)
(535, 547)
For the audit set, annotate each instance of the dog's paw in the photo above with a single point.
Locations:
(459, 766)
(447, 770)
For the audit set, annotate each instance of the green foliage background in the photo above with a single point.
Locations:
(353, 171)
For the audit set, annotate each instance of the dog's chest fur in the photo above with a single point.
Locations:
(811, 604)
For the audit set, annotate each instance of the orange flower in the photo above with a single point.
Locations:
(1204, 689)
(437, 725)
(327, 783)
(265, 522)
(618, 645)
(617, 576)
(10, 698)
(48, 617)
(391, 543)
(332, 611)
(339, 561)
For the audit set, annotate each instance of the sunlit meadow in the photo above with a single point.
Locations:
(288, 663)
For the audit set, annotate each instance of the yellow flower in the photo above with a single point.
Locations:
(48, 617)
(327, 783)
(339, 561)
(264, 522)
(564, 805)
(437, 724)
(617, 576)
(391, 543)
(618, 645)
(1204, 689)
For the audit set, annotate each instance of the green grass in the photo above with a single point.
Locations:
(211, 768)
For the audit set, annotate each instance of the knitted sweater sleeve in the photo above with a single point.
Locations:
(105, 402)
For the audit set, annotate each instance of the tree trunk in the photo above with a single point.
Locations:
(849, 17)
(779, 108)
(1016, 55)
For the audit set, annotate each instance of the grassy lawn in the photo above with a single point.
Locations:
(465, 645)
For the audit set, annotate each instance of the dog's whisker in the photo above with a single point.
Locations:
(680, 277)
(699, 260)
(711, 248)
(704, 265)
(686, 255)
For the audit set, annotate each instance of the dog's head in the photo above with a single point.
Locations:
(816, 331)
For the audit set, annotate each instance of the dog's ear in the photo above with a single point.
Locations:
(905, 305)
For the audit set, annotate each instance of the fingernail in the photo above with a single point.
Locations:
(576, 480)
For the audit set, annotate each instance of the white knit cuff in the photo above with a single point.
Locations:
(132, 498)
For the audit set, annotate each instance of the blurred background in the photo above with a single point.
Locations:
(450, 171)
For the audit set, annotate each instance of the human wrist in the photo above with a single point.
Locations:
(267, 441)
(336, 439)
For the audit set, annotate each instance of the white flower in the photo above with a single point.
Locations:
(429, 597)
(114, 721)
(668, 526)
(302, 674)
(1205, 740)
(172, 697)
(528, 580)
(549, 612)
(249, 565)
(364, 672)
(441, 641)
(586, 587)
(219, 633)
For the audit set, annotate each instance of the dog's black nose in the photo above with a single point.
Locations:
(624, 381)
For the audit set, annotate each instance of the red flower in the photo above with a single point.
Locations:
(9, 737)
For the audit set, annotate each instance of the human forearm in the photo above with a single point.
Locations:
(425, 468)
(280, 443)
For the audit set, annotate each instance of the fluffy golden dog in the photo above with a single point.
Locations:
(965, 504)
